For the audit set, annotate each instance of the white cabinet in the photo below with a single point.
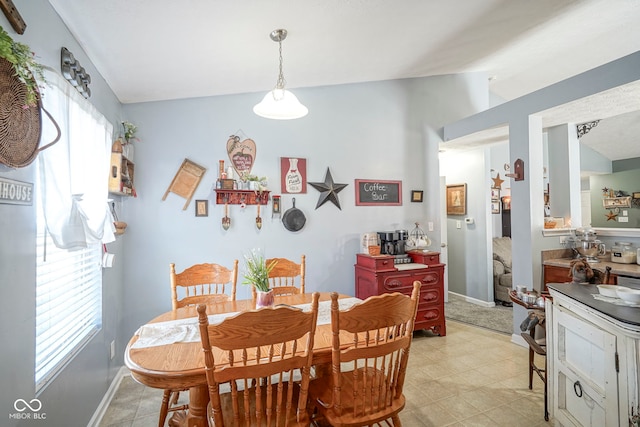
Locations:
(593, 362)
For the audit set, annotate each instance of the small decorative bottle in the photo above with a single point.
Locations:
(293, 178)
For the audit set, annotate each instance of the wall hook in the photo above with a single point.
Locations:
(518, 169)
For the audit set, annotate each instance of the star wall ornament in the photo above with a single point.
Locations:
(612, 216)
(497, 182)
(328, 190)
(605, 191)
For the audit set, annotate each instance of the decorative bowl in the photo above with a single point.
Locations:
(628, 294)
(609, 290)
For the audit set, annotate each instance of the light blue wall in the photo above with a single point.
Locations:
(468, 245)
(71, 399)
(628, 182)
(384, 130)
(626, 164)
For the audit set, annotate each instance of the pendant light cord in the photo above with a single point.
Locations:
(281, 82)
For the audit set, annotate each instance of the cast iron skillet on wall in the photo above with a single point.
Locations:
(293, 219)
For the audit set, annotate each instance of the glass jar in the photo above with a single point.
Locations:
(623, 253)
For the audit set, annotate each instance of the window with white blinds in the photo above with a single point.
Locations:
(72, 177)
(68, 302)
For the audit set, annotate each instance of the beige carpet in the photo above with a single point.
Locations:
(498, 318)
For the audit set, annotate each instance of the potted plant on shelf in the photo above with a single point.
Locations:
(126, 147)
(256, 274)
(257, 184)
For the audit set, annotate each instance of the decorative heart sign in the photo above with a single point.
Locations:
(242, 154)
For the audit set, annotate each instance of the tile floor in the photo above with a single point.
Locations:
(471, 377)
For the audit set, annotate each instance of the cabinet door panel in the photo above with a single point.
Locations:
(578, 403)
(585, 371)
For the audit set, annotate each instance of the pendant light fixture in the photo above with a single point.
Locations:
(279, 103)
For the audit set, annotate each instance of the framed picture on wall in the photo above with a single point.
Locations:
(202, 208)
(293, 175)
(416, 196)
(495, 193)
(457, 199)
(495, 206)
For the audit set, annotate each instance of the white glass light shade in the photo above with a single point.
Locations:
(280, 104)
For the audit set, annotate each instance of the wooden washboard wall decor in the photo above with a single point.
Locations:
(186, 181)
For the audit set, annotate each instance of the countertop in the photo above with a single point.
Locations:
(631, 270)
(584, 295)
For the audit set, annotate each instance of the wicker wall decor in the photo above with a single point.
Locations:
(20, 127)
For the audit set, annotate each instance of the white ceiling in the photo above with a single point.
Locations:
(149, 50)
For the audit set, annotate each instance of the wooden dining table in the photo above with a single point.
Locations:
(180, 365)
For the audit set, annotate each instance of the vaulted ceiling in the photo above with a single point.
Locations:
(149, 50)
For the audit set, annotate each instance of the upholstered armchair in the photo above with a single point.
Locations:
(502, 279)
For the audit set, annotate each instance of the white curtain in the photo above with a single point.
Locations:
(74, 172)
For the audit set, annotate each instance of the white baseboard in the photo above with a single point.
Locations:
(96, 419)
(475, 301)
(517, 339)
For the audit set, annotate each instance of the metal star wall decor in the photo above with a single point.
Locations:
(328, 190)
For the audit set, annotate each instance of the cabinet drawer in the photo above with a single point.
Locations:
(431, 314)
(428, 258)
(376, 263)
(404, 282)
(429, 296)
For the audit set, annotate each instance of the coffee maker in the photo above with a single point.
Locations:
(393, 243)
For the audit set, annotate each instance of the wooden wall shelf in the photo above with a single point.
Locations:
(237, 197)
(616, 202)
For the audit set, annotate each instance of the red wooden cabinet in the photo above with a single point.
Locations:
(376, 275)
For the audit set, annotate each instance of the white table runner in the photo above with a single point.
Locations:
(187, 330)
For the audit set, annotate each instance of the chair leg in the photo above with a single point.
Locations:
(396, 421)
(164, 407)
(531, 361)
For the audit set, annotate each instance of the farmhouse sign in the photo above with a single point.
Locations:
(15, 192)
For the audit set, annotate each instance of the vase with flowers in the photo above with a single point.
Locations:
(256, 274)
(129, 137)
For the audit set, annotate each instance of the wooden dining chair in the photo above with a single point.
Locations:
(286, 277)
(265, 357)
(200, 283)
(365, 386)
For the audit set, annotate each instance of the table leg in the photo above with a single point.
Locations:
(197, 413)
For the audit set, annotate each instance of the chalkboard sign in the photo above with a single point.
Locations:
(378, 193)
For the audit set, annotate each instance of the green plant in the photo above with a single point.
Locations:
(130, 131)
(24, 64)
(256, 271)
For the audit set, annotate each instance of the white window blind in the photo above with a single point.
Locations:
(68, 303)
